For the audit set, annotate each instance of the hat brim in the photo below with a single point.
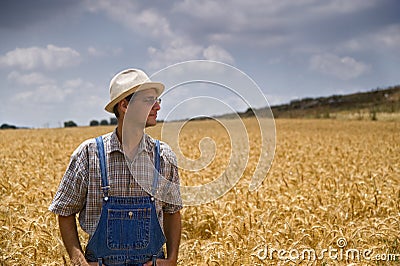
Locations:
(159, 87)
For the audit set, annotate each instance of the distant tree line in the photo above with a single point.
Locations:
(7, 126)
(103, 122)
(70, 124)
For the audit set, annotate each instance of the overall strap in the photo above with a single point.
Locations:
(103, 167)
(156, 167)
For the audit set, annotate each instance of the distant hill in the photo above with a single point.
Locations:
(362, 105)
(375, 101)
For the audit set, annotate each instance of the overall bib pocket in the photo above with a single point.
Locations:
(128, 228)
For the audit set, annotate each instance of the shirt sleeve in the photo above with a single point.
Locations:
(70, 197)
(171, 170)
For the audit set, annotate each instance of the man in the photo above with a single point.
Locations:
(127, 225)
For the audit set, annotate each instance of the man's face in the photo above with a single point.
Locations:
(144, 107)
(141, 112)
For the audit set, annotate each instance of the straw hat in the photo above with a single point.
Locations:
(127, 82)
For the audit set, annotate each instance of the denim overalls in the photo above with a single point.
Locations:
(128, 232)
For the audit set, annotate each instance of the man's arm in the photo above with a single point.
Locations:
(172, 230)
(69, 234)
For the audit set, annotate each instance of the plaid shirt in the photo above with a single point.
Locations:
(80, 188)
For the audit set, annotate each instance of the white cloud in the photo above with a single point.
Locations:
(147, 21)
(181, 50)
(233, 19)
(383, 39)
(43, 90)
(216, 53)
(352, 45)
(334, 7)
(43, 94)
(388, 36)
(256, 16)
(236, 11)
(30, 79)
(154, 23)
(344, 68)
(100, 52)
(95, 52)
(173, 48)
(177, 50)
(50, 57)
(269, 26)
(73, 83)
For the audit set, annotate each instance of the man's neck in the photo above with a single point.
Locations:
(131, 144)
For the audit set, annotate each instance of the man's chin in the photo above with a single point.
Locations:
(151, 123)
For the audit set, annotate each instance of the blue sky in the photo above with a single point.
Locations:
(57, 57)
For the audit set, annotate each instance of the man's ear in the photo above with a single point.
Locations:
(123, 105)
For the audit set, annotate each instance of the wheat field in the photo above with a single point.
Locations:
(333, 185)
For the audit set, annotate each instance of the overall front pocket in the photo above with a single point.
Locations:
(128, 228)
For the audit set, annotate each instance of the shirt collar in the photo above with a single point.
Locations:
(148, 143)
(145, 144)
(115, 145)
